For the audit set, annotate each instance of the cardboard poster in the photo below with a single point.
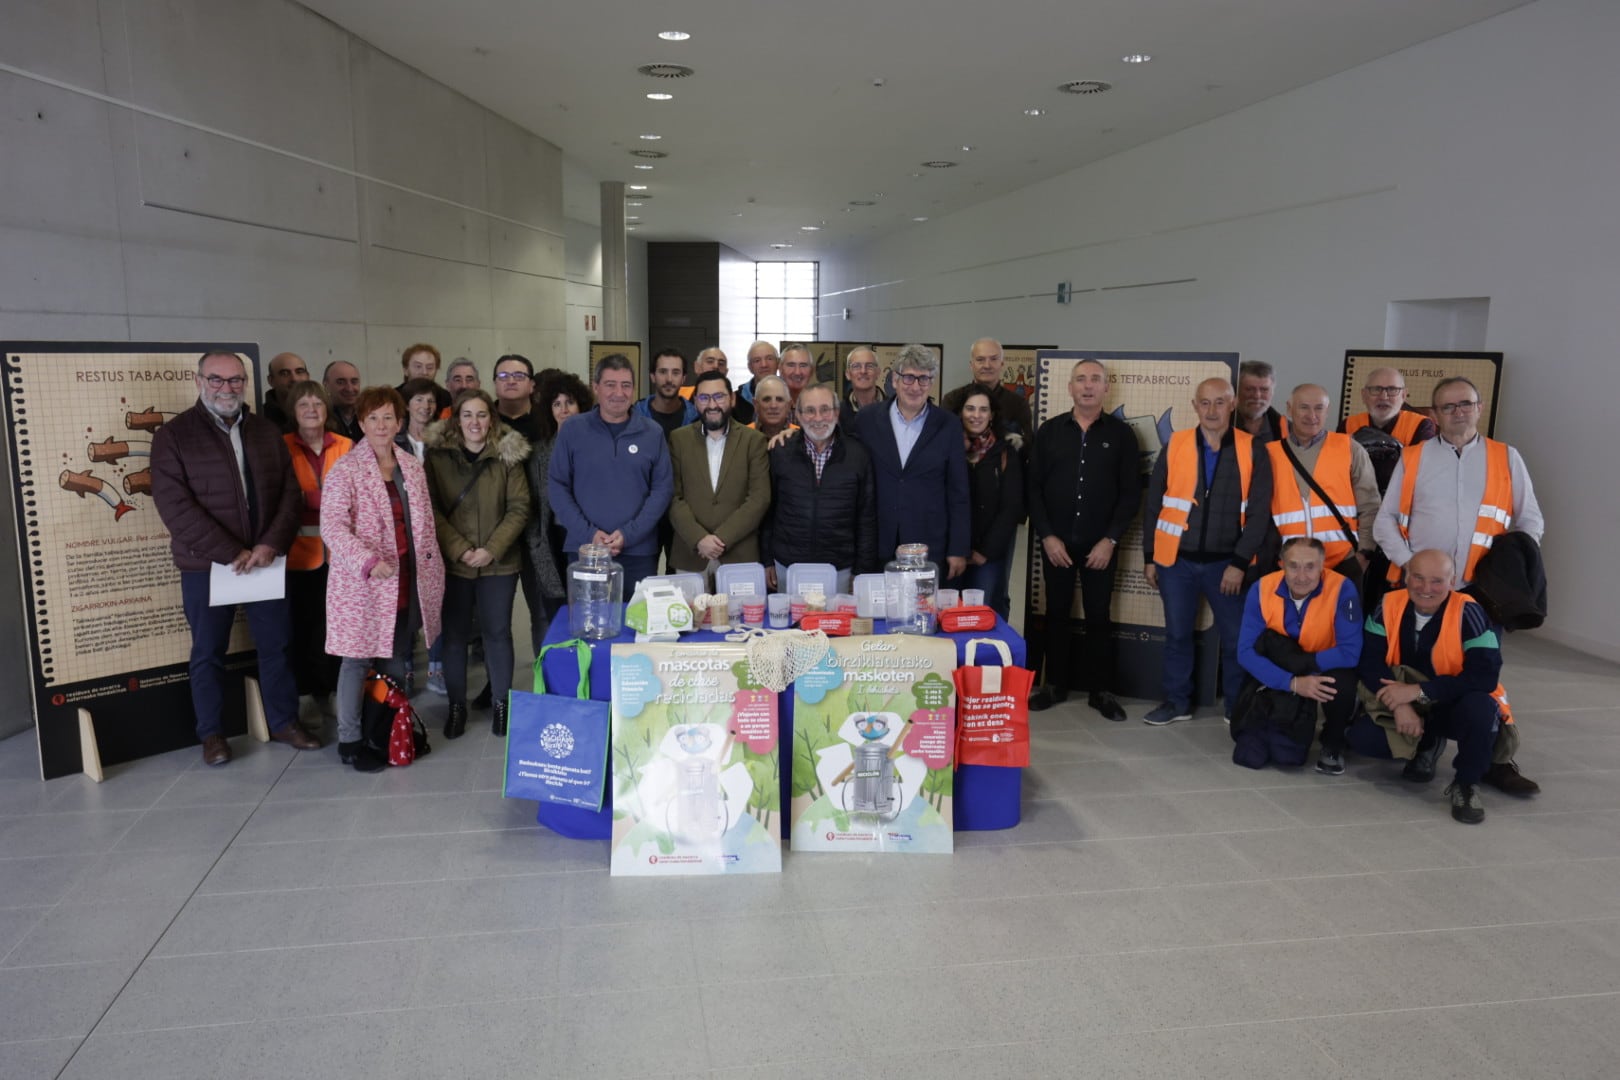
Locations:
(1422, 370)
(695, 763)
(1019, 373)
(106, 626)
(630, 350)
(874, 731)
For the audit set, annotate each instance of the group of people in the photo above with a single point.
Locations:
(401, 508)
(400, 511)
(1285, 527)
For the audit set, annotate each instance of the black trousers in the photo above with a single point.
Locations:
(315, 670)
(1096, 603)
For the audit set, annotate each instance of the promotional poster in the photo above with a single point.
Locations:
(695, 760)
(1422, 370)
(874, 730)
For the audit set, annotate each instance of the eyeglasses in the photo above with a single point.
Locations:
(235, 382)
(511, 376)
(818, 410)
(1457, 407)
(911, 378)
(711, 399)
(863, 367)
(1385, 391)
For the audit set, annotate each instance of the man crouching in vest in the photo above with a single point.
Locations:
(1301, 637)
(1430, 671)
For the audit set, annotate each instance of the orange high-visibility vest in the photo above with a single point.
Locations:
(1495, 507)
(1296, 516)
(1407, 423)
(1316, 630)
(307, 551)
(1182, 471)
(1447, 655)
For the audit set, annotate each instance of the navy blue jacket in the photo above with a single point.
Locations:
(927, 501)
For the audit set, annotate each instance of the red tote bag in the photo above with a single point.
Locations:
(992, 706)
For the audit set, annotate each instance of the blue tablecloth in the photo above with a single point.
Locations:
(985, 797)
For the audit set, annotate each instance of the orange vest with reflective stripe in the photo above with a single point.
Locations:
(1495, 507)
(307, 551)
(1447, 654)
(1407, 423)
(1296, 516)
(1316, 630)
(1183, 469)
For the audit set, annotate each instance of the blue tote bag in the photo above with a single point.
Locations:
(556, 746)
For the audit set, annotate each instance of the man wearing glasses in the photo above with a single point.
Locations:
(762, 361)
(920, 467)
(225, 489)
(722, 483)
(514, 381)
(1458, 492)
(1384, 394)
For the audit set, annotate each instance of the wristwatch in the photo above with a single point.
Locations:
(1422, 699)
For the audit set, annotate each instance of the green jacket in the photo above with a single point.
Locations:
(496, 507)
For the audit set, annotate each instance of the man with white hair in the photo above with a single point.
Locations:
(988, 363)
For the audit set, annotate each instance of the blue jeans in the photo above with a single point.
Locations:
(1180, 586)
(270, 622)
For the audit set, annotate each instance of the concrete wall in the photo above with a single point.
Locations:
(1480, 165)
(245, 170)
(276, 180)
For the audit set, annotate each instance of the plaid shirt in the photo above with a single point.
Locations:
(819, 458)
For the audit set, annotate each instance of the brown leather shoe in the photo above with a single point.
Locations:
(1506, 778)
(215, 750)
(295, 737)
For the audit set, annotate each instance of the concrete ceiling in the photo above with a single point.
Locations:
(784, 123)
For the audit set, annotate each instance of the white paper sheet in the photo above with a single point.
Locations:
(226, 587)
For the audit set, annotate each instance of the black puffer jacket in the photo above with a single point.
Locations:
(834, 521)
(996, 485)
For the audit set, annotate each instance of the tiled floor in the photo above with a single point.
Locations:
(1159, 912)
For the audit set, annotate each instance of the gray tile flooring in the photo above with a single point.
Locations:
(1159, 912)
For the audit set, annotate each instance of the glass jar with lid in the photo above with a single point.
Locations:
(595, 594)
(910, 582)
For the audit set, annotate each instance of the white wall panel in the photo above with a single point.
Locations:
(525, 175)
(525, 302)
(411, 130)
(55, 164)
(404, 289)
(60, 39)
(410, 223)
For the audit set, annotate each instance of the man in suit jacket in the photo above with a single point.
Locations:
(920, 465)
(722, 482)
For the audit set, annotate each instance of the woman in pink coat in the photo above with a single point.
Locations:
(386, 580)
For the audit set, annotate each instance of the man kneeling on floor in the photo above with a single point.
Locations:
(1431, 672)
(1299, 642)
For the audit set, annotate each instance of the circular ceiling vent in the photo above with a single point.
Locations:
(652, 154)
(636, 196)
(862, 202)
(1086, 86)
(665, 71)
(939, 164)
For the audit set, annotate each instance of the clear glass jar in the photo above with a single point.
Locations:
(595, 594)
(910, 582)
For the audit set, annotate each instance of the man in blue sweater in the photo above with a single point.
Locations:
(610, 479)
(1301, 634)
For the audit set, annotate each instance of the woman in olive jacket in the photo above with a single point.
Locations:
(480, 505)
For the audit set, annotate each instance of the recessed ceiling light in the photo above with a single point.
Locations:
(915, 175)
(674, 35)
(638, 187)
(779, 247)
(862, 202)
(643, 168)
(629, 228)
(635, 205)
(658, 96)
(919, 219)
(1027, 112)
(1136, 58)
(939, 164)
(809, 228)
(651, 138)
(877, 195)
(631, 217)
(967, 149)
(736, 213)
